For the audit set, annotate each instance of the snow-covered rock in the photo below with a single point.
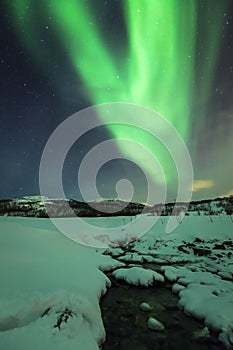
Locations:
(202, 333)
(138, 276)
(145, 307)
(154, 324)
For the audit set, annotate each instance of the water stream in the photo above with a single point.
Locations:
(126, 325)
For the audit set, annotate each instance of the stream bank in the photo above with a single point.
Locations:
(126, 325)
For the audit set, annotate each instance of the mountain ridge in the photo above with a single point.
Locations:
(41, 206)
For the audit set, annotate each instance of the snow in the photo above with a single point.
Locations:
(51, 286)
(32, 199)
(176, 288)
(138, 276)
(40, 269)
(110, 264)
(170, 272)
(210, 303)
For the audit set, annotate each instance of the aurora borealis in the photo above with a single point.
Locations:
(165, 55)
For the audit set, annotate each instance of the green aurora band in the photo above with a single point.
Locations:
(156, 69)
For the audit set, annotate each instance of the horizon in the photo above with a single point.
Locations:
(175, 98)
(115, 199)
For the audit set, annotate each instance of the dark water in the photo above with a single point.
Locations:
(126, 325)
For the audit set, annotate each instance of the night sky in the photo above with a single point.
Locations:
(173, 56)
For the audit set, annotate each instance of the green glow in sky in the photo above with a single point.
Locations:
(159, 63)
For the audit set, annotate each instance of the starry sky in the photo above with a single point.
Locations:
(173, 56)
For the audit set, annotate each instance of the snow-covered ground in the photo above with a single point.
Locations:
(46, 278)
(197, 259)
(51, 286)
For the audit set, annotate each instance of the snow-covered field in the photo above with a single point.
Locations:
(51, 286)
(44, 273)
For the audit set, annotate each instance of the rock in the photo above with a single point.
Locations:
(201, 251)
(145, 307)
(154, 324)
(226, 338)
(219, 246)
(202, 334)
(198, 240)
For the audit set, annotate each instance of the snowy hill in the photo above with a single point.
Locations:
(203, 207)
(40, 206)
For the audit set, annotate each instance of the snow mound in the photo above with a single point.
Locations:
(170, 272)
(210, 299)
(109, 264)
(176, 288)
(50, 289)
(138, 276)
(59, 321)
